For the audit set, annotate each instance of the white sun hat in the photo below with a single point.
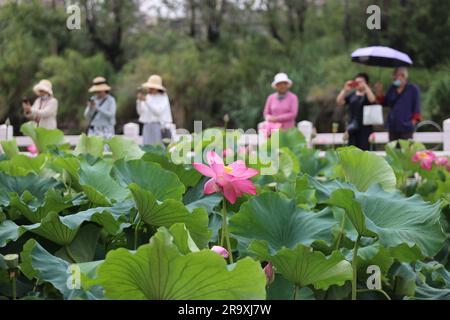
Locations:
(154, 82)
(281, 77)
(44, 85)
(99, 85)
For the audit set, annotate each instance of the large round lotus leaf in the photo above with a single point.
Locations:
(279, 223)
(158, 271)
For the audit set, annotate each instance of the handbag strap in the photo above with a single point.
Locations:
(96, 112)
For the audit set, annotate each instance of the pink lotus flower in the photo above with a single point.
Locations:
(426, 159)
(221, 251)
(373, 138)
(233, 180)
(442, 161)
(268, 127)
(270, 273)
(33, 150)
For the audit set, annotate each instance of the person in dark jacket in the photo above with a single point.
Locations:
(403, 100)
(357, 94)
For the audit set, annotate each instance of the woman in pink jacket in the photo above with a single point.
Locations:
(282, 107)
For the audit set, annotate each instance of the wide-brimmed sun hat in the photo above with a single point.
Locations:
(281, 77)
(154, 82)
(44, 85)
(99, 84)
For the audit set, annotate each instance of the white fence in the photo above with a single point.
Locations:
(131, 131)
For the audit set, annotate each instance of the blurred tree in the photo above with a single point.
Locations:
(108, 22)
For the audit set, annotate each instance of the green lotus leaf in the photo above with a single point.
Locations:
(279, 223)
(21, 165)
(324, 190)
(288, 165)
(62, 230)
(10, 148)
(43, 138)
(293, 140)
(9, 231)
(34, 211)
(53, 229)
(305, 267)
(187, 174)
(427, 292)
(32, 184)
(158, 271)
(394, 219)
(161, 183)
(169, 212)
(99, 186)
(68, 165)
(90, 145)
(113, 219)
(364, 169)
(182, 238)
(124, 148)
(83, 246)
(60, 273)
(196, 198)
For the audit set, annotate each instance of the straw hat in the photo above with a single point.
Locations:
(43, 85)
(154, 82)
(281, 77)
(99, 84)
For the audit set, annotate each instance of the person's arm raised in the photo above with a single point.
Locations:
(340, 100)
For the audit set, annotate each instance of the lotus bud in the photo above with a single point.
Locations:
(270, 273)
(226, 118)
(8, 122)
(221, 251)
(12, 261)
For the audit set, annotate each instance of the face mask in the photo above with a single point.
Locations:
(397, 83)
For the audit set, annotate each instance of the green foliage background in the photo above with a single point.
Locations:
(208, 77)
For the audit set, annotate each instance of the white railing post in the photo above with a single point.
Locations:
(6, 135)
(131, 131)
(306, 127)
(446, 135)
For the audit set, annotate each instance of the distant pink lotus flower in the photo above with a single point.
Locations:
(33, 150)
(426, 159)
(442, 161)
(270, 273)
(232, 180)
(221, 251)
(268, 127)
(373, 138)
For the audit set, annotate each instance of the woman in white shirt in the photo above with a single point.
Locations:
(154, 110)
(45, 108)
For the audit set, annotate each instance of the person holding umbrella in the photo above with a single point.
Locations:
(403, 100)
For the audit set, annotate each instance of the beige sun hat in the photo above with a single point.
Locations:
(154, 82)
(281, 77)
(99, 84)
(44, 85)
